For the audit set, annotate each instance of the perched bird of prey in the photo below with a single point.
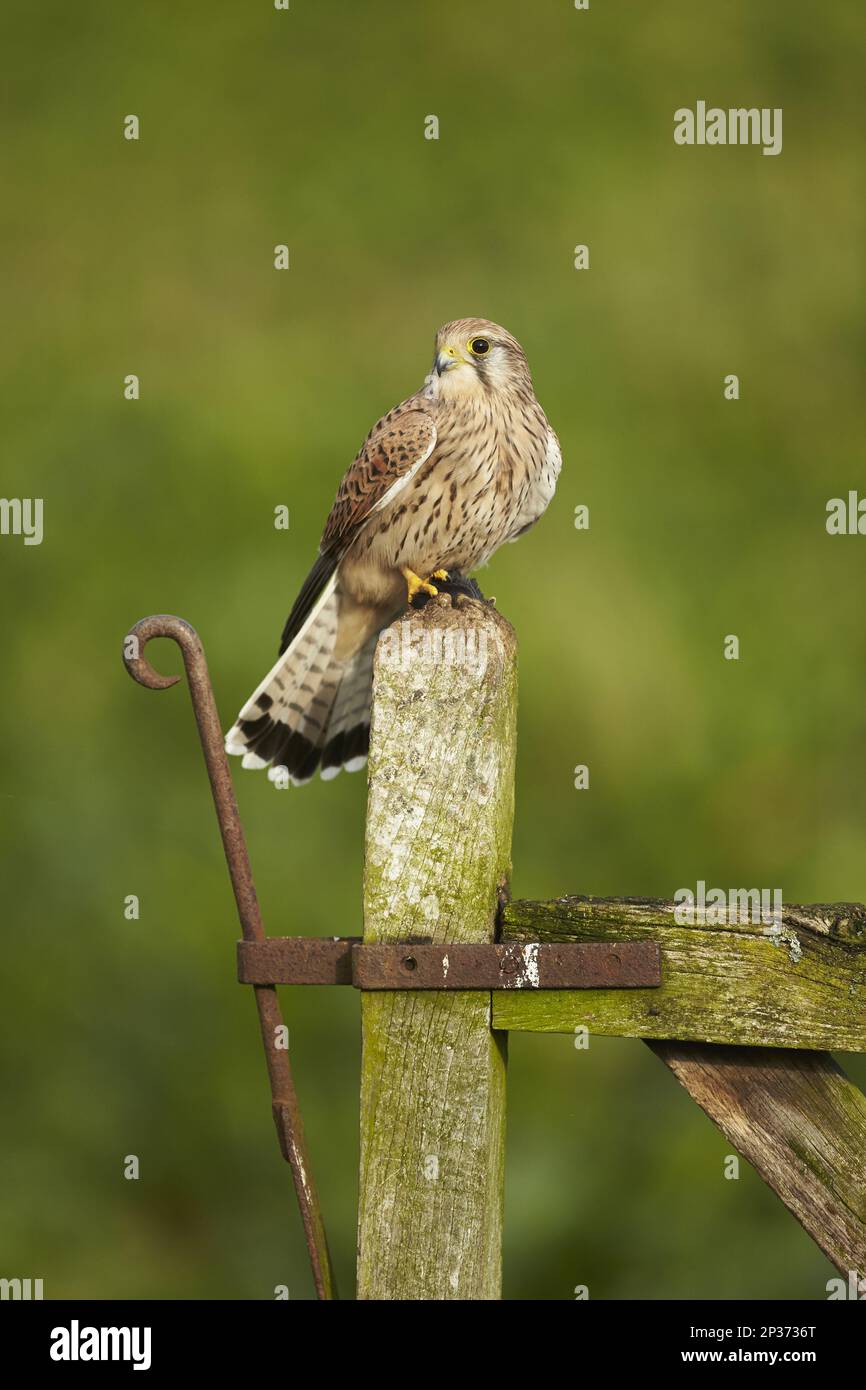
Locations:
(439, 484)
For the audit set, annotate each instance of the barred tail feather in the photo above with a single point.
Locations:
(348, 735)
(314, 705)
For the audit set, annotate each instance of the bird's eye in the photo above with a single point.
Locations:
(479, 346)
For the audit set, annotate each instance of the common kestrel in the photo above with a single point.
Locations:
(439, 484)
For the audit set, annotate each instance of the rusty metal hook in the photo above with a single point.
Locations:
(287, 1116)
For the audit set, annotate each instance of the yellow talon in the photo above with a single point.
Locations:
(439, 574)
(414, 585)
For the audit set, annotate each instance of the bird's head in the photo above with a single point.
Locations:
(477, 357)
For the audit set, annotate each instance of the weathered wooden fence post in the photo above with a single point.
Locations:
(438, 846)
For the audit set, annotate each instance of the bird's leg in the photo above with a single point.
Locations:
(439, 574)
(415, 585)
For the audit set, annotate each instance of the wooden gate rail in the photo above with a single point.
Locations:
(799, 984)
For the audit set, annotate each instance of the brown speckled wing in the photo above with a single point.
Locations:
(391, 454)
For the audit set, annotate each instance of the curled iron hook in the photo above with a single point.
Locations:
(159, 625)
(287, 1116)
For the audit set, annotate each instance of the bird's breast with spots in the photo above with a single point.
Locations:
(474, 492)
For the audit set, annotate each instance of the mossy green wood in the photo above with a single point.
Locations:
(799, 985)
(438, 844)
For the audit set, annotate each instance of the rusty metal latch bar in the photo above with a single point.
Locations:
(299, 960)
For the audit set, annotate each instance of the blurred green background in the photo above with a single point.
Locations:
(707, 518)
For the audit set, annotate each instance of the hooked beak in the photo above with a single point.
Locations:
(446, 358)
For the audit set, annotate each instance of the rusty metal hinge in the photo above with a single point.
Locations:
(300, 960)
